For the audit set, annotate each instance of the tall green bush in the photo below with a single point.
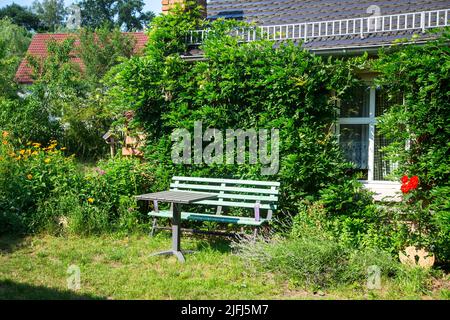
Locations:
(419, 130)
(237, 86)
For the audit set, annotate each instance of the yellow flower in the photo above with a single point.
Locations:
(5, 142)
(63, 148)
(29, 177)
(22, 152)
(19, 157)
(47, 160)
(35, 153)
(37, 145)
(91, 200)
(5, 134)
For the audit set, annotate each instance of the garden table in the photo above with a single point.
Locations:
(176, 199)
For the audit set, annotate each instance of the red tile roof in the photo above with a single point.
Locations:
(38, 48)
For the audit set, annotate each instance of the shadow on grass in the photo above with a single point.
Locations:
(11, 243)
(10, 290)
(216, 244)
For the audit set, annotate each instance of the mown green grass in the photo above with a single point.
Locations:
(114, 267)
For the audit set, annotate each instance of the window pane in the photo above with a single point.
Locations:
(354, 141)
(356, 103)
(382, 167)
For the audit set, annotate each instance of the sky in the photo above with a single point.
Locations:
(150, 5)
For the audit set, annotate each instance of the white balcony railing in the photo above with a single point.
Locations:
(362, 27)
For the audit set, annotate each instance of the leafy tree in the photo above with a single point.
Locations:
(125, 14)
(130, 15)
(73, 97)
(95, 14)
(51, 13)
(16, 38)
(61, 89)
(101, 50)
(14, 41)
(21, 16)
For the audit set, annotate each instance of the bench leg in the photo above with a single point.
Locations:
(154, 226)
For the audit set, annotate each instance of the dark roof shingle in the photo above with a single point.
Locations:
(280, 12)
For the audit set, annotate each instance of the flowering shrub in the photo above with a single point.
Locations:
(29, 174)
(102, 202)
(114, 178)
(42, 189)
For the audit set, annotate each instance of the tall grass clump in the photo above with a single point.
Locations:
(312, 258)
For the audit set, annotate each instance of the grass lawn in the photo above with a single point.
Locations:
(114, 267)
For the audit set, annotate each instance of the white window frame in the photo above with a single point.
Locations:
(384, 191)
(371, 121)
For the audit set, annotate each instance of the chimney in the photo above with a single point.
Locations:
(169, 4)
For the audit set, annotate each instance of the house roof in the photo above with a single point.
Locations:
(283, 12)
(38, 48)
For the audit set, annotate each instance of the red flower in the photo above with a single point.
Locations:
(414, 182)
(405, 188)
(409, 184)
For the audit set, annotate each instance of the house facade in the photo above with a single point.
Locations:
(344, 27)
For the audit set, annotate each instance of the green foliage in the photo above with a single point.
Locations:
(115, 178)
(167, 33)
(21, 16)
(103, 202)
(369, 226)
(43, 190)
(14, 42)
(421, 75)
(101, 50)
(238, 86)
(65, 102)
(314, 261)
(313, 258)
(51, 13)
(131, 16)
(28, 120)
(30, 174)
(347, 198)
(127, 15)
(15, 38)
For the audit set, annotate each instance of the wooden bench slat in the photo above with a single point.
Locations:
(228, 181)
(220, 188)
(248, 197)
(210, 217)
(236, 204)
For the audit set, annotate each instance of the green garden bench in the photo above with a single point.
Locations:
(258, 198)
